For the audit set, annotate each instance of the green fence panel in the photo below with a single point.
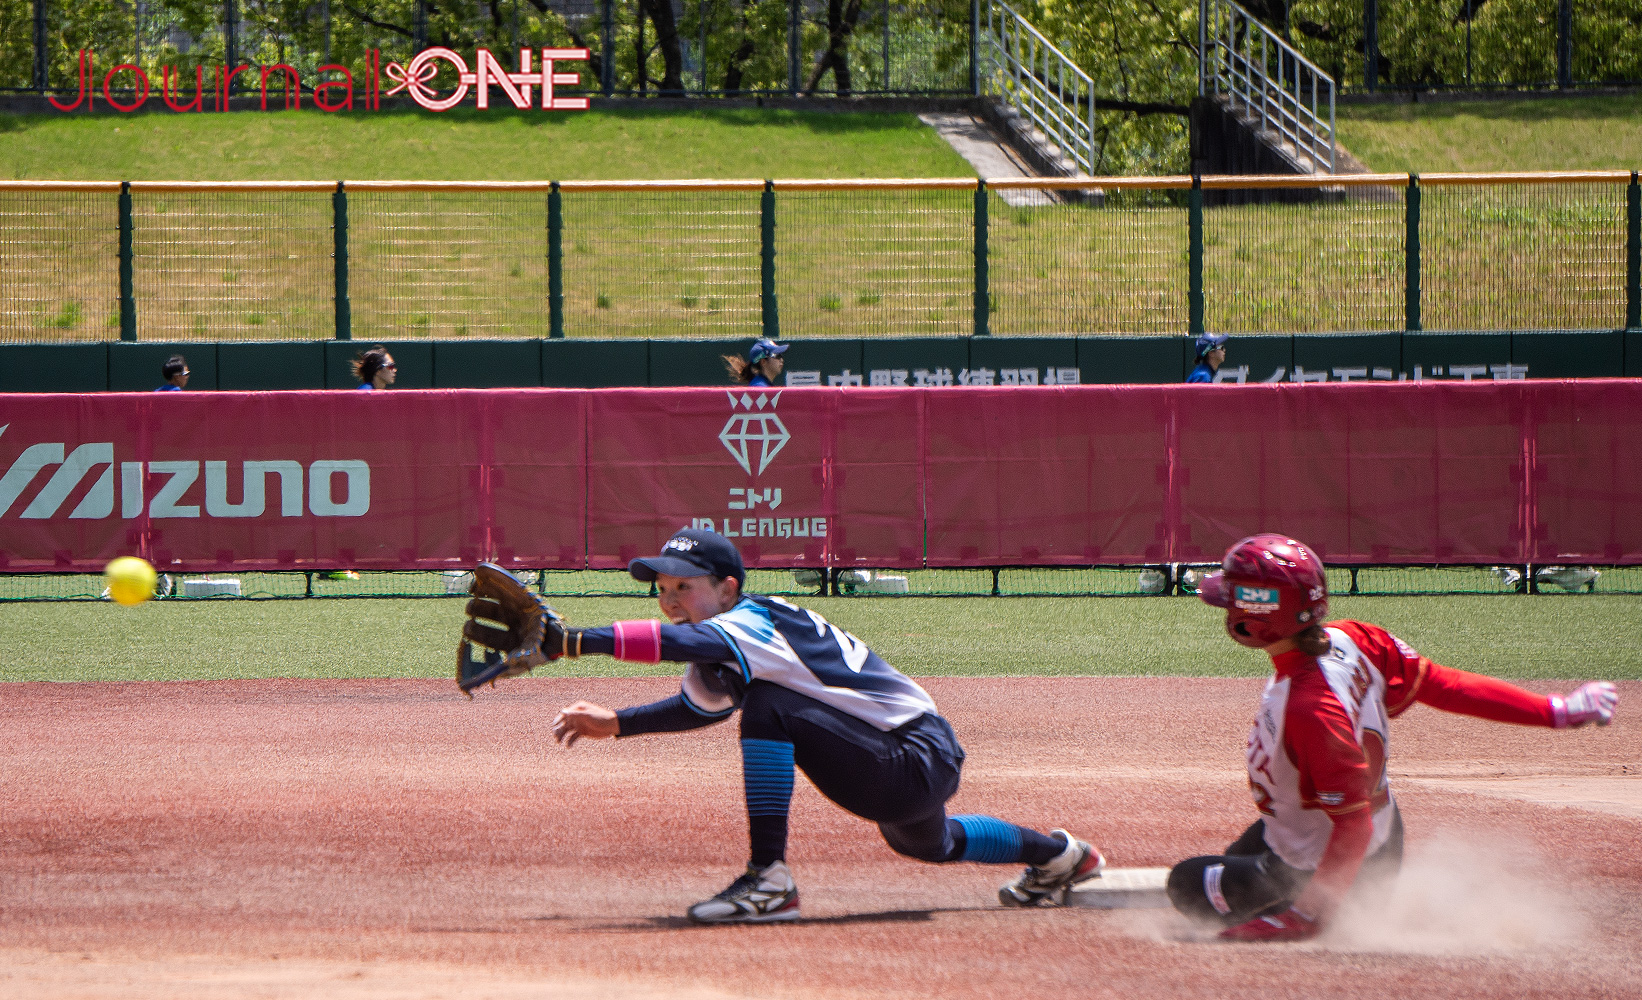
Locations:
(1633, 353)
(1134, 360)
(1455, 355)
(233, 265)
(661, 263)
(1017, 360)
(59, 258)
(819, 361)
(1253, 358)
(487, 364)
(875, 262)
(292, 364)
(136, 367)
(55, 368)
(1313, 266)
(693, 362)
(1523, 257)
(414, 358)
(447, 264)
(1347, 356)
(595, 364)
(913, 361)
(1118, 265)
(1569, 354)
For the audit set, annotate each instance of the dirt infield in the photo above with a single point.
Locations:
(365, 839)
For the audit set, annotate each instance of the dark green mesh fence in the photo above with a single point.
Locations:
(1042, 581)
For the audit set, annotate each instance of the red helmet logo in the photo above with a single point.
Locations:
(1271, 586)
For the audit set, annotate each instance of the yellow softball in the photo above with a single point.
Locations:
(130, 580)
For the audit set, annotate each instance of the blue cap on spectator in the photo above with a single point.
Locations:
(1208, 342)
(763, 348)
(692, 552)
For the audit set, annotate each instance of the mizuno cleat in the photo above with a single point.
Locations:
(757, 897)
(1079, 862)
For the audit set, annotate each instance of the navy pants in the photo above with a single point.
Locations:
(900, 780)
(1250, 880)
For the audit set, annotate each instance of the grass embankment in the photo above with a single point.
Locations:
(659, 143)
(1514, 636)
(1575, 133)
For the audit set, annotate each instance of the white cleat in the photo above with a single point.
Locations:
(757, 897)
(1078, 863)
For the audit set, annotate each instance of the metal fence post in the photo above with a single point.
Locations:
(1194, 224)
(1411, 300)
(555, 262)
(339, 233)
(983, 295)
(128, 297)
(1633, 255)
(974, 47)
(1565, 44)
(766, 246)
(40, 45)
(607, 50)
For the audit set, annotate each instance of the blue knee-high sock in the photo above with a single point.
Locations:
(766, 770)
(991, 841)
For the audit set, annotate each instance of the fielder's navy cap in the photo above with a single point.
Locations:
(1209, 341)
(763, 348)
(692, 552)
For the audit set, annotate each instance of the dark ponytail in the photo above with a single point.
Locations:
(1313, 641)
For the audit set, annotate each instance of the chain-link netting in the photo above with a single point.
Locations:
(1333, 261)
(1522, 256)
(448, 263)
(232, 265)
(651, 263)
(875, 262)
(1043, 581)
(59, 265)
(1087, 265)
(224, 263)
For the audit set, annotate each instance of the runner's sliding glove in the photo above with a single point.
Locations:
(1593, 702)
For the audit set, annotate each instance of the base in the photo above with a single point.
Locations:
(1122, 889)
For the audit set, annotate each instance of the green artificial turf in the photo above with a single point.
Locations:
(1582, 133)
(1562, 636)
(474, 145)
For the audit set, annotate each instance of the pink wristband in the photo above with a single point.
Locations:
(1559, 712)
(638, 641)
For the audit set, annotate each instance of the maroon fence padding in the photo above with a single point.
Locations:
(968, 476)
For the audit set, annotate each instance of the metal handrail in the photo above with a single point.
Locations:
(1039, 81)
(1260, 74)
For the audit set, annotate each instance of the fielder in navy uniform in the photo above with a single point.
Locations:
(813, 695)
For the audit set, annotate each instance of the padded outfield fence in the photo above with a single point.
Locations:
(1003, 581)
(380, 260)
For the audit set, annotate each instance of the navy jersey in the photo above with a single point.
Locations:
(777, 641)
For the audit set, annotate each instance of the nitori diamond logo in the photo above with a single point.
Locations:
(750, 431)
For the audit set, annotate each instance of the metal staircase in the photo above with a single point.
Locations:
(1273, 89)
(1034, 79)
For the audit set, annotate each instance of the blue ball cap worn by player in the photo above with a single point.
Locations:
(692, 552)
(763, 348)
(1208, 342)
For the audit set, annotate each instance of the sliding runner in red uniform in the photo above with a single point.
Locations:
(1317, 752)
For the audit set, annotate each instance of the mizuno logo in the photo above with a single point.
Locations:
(160, 488)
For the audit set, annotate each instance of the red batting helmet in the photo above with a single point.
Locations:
(1271, 586)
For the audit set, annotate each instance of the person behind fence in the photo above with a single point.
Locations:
(1211, 354)
(175, 373)
(762, 365)
(1317, 753)
(374, 369)
(811, 696)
